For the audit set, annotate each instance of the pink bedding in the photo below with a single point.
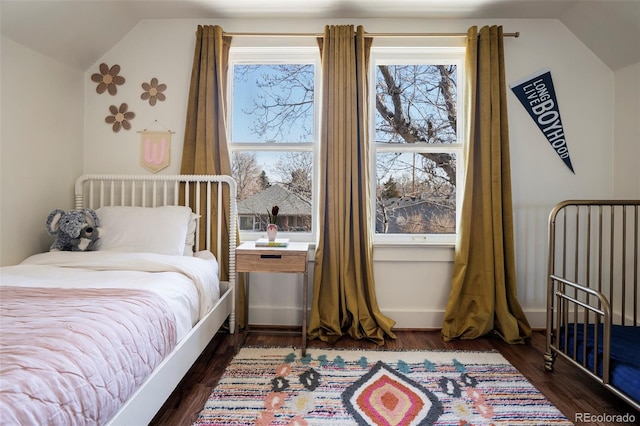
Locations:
(77, 353)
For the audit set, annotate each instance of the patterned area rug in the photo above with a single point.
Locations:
(275, 386)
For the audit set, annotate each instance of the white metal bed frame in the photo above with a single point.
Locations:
(95, 191)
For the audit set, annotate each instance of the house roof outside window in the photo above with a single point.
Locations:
(289, 203)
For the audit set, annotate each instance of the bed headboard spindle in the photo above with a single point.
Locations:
(98, 190)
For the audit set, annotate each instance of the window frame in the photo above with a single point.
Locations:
(280, 55)
(394, 55)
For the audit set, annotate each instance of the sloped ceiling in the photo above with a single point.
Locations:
(80, 32)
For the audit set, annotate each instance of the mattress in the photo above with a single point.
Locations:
(624, 360)
(81, 331)
(189, 285)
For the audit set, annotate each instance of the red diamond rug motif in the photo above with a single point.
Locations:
(386, 397)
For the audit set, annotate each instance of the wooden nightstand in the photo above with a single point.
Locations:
(293, 259)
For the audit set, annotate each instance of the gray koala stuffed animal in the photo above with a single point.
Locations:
(72, 229)
(87, 239)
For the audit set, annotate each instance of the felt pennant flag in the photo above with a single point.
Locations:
(538, 96)
(155, 150)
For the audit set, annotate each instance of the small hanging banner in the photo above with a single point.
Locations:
(537, 95)
(155, 150)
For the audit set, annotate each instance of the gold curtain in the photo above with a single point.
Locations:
(483, 287)
(205, 150)
(344, 299)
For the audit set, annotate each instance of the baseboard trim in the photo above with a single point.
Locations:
(282, 316)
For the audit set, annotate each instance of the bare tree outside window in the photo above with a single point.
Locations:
(273, 103)
(415, 112)
(415, 143)
(272, 143)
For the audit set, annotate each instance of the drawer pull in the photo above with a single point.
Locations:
(270, 256)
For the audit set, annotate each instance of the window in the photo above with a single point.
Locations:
(416, 143)
(274, 137)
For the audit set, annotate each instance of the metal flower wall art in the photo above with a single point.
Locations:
(153, 91)
(108, 79)
(120, 117)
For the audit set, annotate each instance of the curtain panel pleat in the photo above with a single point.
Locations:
(483, 295)
(205, 150)
(344, 299)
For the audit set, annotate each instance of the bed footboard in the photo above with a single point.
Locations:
(592, 289)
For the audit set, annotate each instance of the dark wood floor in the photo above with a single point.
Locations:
(569, 389)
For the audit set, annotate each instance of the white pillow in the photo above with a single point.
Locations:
(161, 230)
(191, 235)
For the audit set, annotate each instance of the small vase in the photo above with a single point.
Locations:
(272, 231)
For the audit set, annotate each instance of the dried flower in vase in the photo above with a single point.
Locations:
(273, 216)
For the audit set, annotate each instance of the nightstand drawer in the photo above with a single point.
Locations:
(271, 261)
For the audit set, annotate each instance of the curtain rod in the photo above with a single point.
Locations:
(407, 35)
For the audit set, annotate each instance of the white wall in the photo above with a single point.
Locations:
(584, 87)
(412, 284)
(626, 148)
(41, 146)
(160, 49)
